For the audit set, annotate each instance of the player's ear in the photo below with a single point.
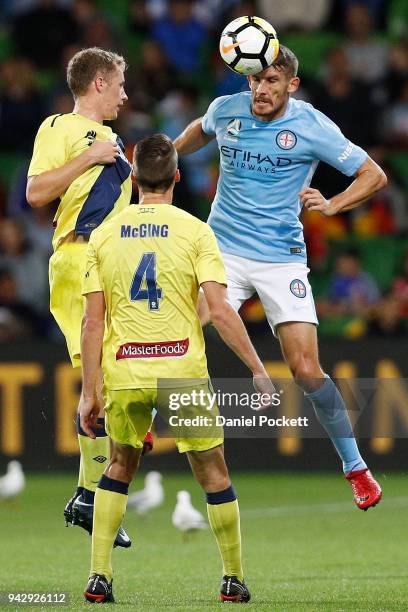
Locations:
(293, 84)
(134, 180)
(99, 82)
(134, 161)
(177, 176)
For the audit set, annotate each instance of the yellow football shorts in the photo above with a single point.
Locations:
(67, 304)
(128, 417)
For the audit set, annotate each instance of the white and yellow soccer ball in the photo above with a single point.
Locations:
(249, 45)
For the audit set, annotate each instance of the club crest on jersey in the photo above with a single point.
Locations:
(298, 288)
(286, 139)
(91, 135)
(234, 127)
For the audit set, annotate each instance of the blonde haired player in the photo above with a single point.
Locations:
(80, 162)
(144, 270)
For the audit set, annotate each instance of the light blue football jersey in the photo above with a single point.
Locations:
(263, 167)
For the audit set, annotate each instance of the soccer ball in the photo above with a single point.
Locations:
(249, 45)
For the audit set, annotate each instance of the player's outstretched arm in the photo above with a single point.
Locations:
(232, 330)
(369, 179)
(93, 326)
(46, 187)
(192, 139)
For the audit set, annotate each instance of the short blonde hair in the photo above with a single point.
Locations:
(85, 65)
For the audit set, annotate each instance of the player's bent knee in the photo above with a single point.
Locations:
(306, 369)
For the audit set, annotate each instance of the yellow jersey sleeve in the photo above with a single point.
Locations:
(209, 265)
(50, 147)
(91, 281)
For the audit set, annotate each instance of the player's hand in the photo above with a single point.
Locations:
(88, 415)
(312, 199)
(265, 387)
(103, 152)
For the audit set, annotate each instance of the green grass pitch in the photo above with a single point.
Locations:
(306, 547)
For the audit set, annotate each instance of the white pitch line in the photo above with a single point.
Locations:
(389, 503)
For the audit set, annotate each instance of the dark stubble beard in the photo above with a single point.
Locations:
(270, 116)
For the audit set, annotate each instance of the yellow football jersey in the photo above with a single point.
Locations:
(149, 261)
(101, 189)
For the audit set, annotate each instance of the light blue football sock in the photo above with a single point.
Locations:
(332, 413)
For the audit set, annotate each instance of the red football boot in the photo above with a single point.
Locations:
(147, 443)
(366, 490)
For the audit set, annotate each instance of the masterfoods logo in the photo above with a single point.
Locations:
(152, 350)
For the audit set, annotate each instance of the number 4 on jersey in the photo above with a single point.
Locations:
(146, 275)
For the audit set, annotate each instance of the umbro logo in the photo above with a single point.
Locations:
(100, 458)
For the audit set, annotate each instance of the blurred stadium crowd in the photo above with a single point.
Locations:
(353, 65)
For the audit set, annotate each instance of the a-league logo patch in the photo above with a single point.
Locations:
(233, 127)
(298, 288)
(286, 139)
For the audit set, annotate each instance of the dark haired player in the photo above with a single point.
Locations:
(143, 273)
(270, 145)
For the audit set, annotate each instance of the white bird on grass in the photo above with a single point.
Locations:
(150, 497)
(185, 517)
(13, 482)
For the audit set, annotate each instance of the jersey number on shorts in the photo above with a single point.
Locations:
(146, 275)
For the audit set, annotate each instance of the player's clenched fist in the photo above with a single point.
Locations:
(312, 199)
(104, 151)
